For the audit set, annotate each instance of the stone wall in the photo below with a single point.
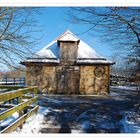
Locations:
(84, 80)
(93, 81)
(45, 78)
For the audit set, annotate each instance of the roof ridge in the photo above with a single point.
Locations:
(65, 33)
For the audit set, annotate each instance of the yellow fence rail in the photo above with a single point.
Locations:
(27, 99)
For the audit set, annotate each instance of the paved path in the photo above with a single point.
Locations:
(87, 114)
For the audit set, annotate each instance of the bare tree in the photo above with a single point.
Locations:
(17, 27)
(120, 25)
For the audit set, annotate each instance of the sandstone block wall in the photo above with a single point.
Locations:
(84, 80)
(90, 83)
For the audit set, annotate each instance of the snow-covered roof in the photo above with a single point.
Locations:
(41, 60)
(52, 50)
(51, 53)
(85, 51)
(96, 61)
(68, 36)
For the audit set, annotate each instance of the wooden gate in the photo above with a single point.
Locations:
(68, 80)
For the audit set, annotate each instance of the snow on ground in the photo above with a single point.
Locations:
(3, 90)
(4, 82)
(9, 120)
(132, 88)
(131, 122)
(33, 124)
(89, 114)
(114, 94)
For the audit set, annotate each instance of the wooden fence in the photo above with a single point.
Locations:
(26, 100)
(12, 80)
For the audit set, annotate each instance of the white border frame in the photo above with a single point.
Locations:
(69, 3)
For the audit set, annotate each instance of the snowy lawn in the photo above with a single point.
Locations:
(132, 88)
(33, 124)
(131, 122)
(115, 113)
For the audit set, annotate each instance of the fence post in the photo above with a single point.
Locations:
(0, 126)
(20, 80)
(14, 80)
(35, 93)
(24, 79)
(20, 112)
(6, 80)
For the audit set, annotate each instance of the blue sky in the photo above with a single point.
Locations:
(55, 22)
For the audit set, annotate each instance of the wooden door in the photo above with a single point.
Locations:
(61, 81)
(72, 82)
(68, 81)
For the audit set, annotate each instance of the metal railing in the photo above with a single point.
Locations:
(12, 80)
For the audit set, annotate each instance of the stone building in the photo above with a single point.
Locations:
(68, 66)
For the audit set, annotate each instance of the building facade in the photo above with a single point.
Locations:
(68, 66)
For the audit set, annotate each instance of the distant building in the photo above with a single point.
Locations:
(68, 66)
